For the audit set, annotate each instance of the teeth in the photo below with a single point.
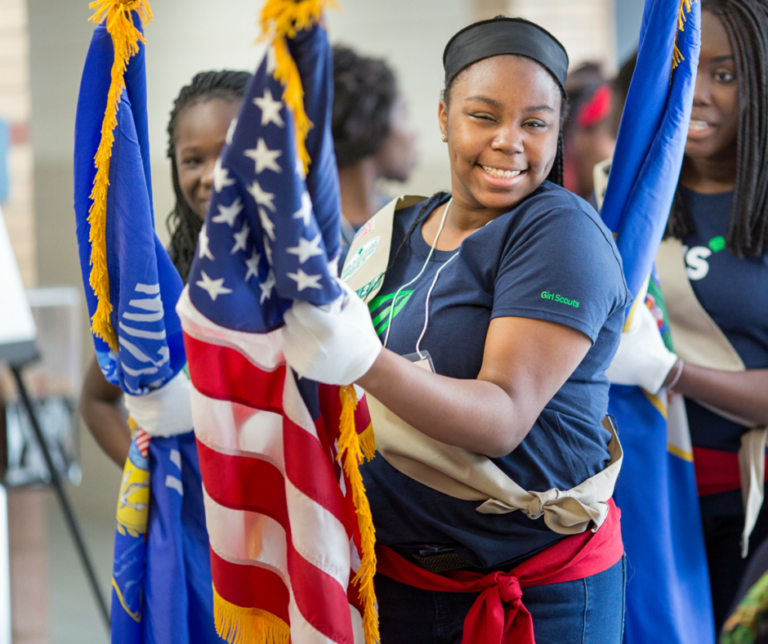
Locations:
(698, 125)
(500, 174)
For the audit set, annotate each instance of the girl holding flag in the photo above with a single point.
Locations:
(713, 268)
(496, 310)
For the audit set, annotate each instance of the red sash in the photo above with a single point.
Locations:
(498, 615)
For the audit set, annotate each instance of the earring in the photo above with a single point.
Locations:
(443, 138)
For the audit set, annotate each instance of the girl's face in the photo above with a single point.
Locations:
(715, 114)
(502, 129)
(201, 132)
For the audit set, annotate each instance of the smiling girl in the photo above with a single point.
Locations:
(487, 396)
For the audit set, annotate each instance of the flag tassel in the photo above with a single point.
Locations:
(125, 40)
(239, 625)
(351, 454)
(685, 8)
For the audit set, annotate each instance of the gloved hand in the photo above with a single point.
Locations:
(335, 344)
(642, 359)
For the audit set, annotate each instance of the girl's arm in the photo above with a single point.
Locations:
(743, 393)
(525, 363)
(101, 413)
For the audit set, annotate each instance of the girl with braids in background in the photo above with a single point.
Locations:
(197, 131)
(499, 308)
(713, 271)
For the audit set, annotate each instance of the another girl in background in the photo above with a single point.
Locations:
(713, 269)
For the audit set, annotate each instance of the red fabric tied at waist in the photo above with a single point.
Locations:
(717, 470)
(498, 615)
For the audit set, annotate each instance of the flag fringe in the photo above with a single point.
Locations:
(281, 19)
(125, 41)
(242, 625)
(368, 442)
(685, 8)
(351, 454)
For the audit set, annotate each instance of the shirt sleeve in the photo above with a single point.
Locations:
(561, 266)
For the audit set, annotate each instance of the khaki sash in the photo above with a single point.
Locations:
(699, 340)
(452, 470)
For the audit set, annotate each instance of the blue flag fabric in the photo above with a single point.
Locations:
(161, 575)
(668, 586)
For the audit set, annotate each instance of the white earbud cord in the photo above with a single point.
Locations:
(421, 272)
(426, 305)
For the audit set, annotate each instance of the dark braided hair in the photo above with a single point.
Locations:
(364, 93)
(183, 223)
(746, 23)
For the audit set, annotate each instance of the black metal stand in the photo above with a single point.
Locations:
(66, 508)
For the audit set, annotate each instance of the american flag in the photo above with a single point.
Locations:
(284, 529)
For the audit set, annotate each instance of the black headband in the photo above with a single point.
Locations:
(505, 36)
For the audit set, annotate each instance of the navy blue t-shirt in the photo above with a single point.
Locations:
(550, 258)
(735, 294)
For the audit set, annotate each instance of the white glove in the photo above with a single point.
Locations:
(334, 344)
(642, 359)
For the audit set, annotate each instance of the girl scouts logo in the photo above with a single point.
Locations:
(383, 304)
(363, 254)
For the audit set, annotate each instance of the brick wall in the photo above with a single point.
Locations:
(26, 509)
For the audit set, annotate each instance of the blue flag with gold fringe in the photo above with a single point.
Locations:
(667, 594)
(161, 584)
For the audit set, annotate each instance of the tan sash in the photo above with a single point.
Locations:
(699, 340)
(452, 470)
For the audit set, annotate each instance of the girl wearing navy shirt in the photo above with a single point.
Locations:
(515, 289)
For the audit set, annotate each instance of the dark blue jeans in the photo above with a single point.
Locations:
(585, 611)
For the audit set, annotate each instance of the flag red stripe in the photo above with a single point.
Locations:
(320, 598)
(250, 586)
(224, 374)
(229, 480)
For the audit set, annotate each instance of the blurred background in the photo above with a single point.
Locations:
(43, 44)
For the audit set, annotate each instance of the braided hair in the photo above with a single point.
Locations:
(184, 225)
(746, 23)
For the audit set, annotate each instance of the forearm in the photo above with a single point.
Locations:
(108, 428)
(744, 393)
(474, 414)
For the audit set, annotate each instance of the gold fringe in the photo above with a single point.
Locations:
(239, 625)
(281, 19)
(351, 454)
(368, 443)
(125, 40)
(685, 8)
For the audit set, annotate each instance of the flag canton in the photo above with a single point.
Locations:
(260, 246)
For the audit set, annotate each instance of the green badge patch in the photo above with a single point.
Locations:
(381, 319)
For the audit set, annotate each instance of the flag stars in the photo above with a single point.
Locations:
(241, 239)
(228, 214)
(307, 248)
(305, 212)
(221, 178)
(267, 224)
(203, 244)
(253, 265)
(305, 281)
(270, 109)
(268, 251)
(231, 130)
(260, 197)
(264, 158)
(266, 287)
(213, 287)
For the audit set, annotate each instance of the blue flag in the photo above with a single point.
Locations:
(668, 595)
(161, 575)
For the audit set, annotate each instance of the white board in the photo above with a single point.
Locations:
(17, 326)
